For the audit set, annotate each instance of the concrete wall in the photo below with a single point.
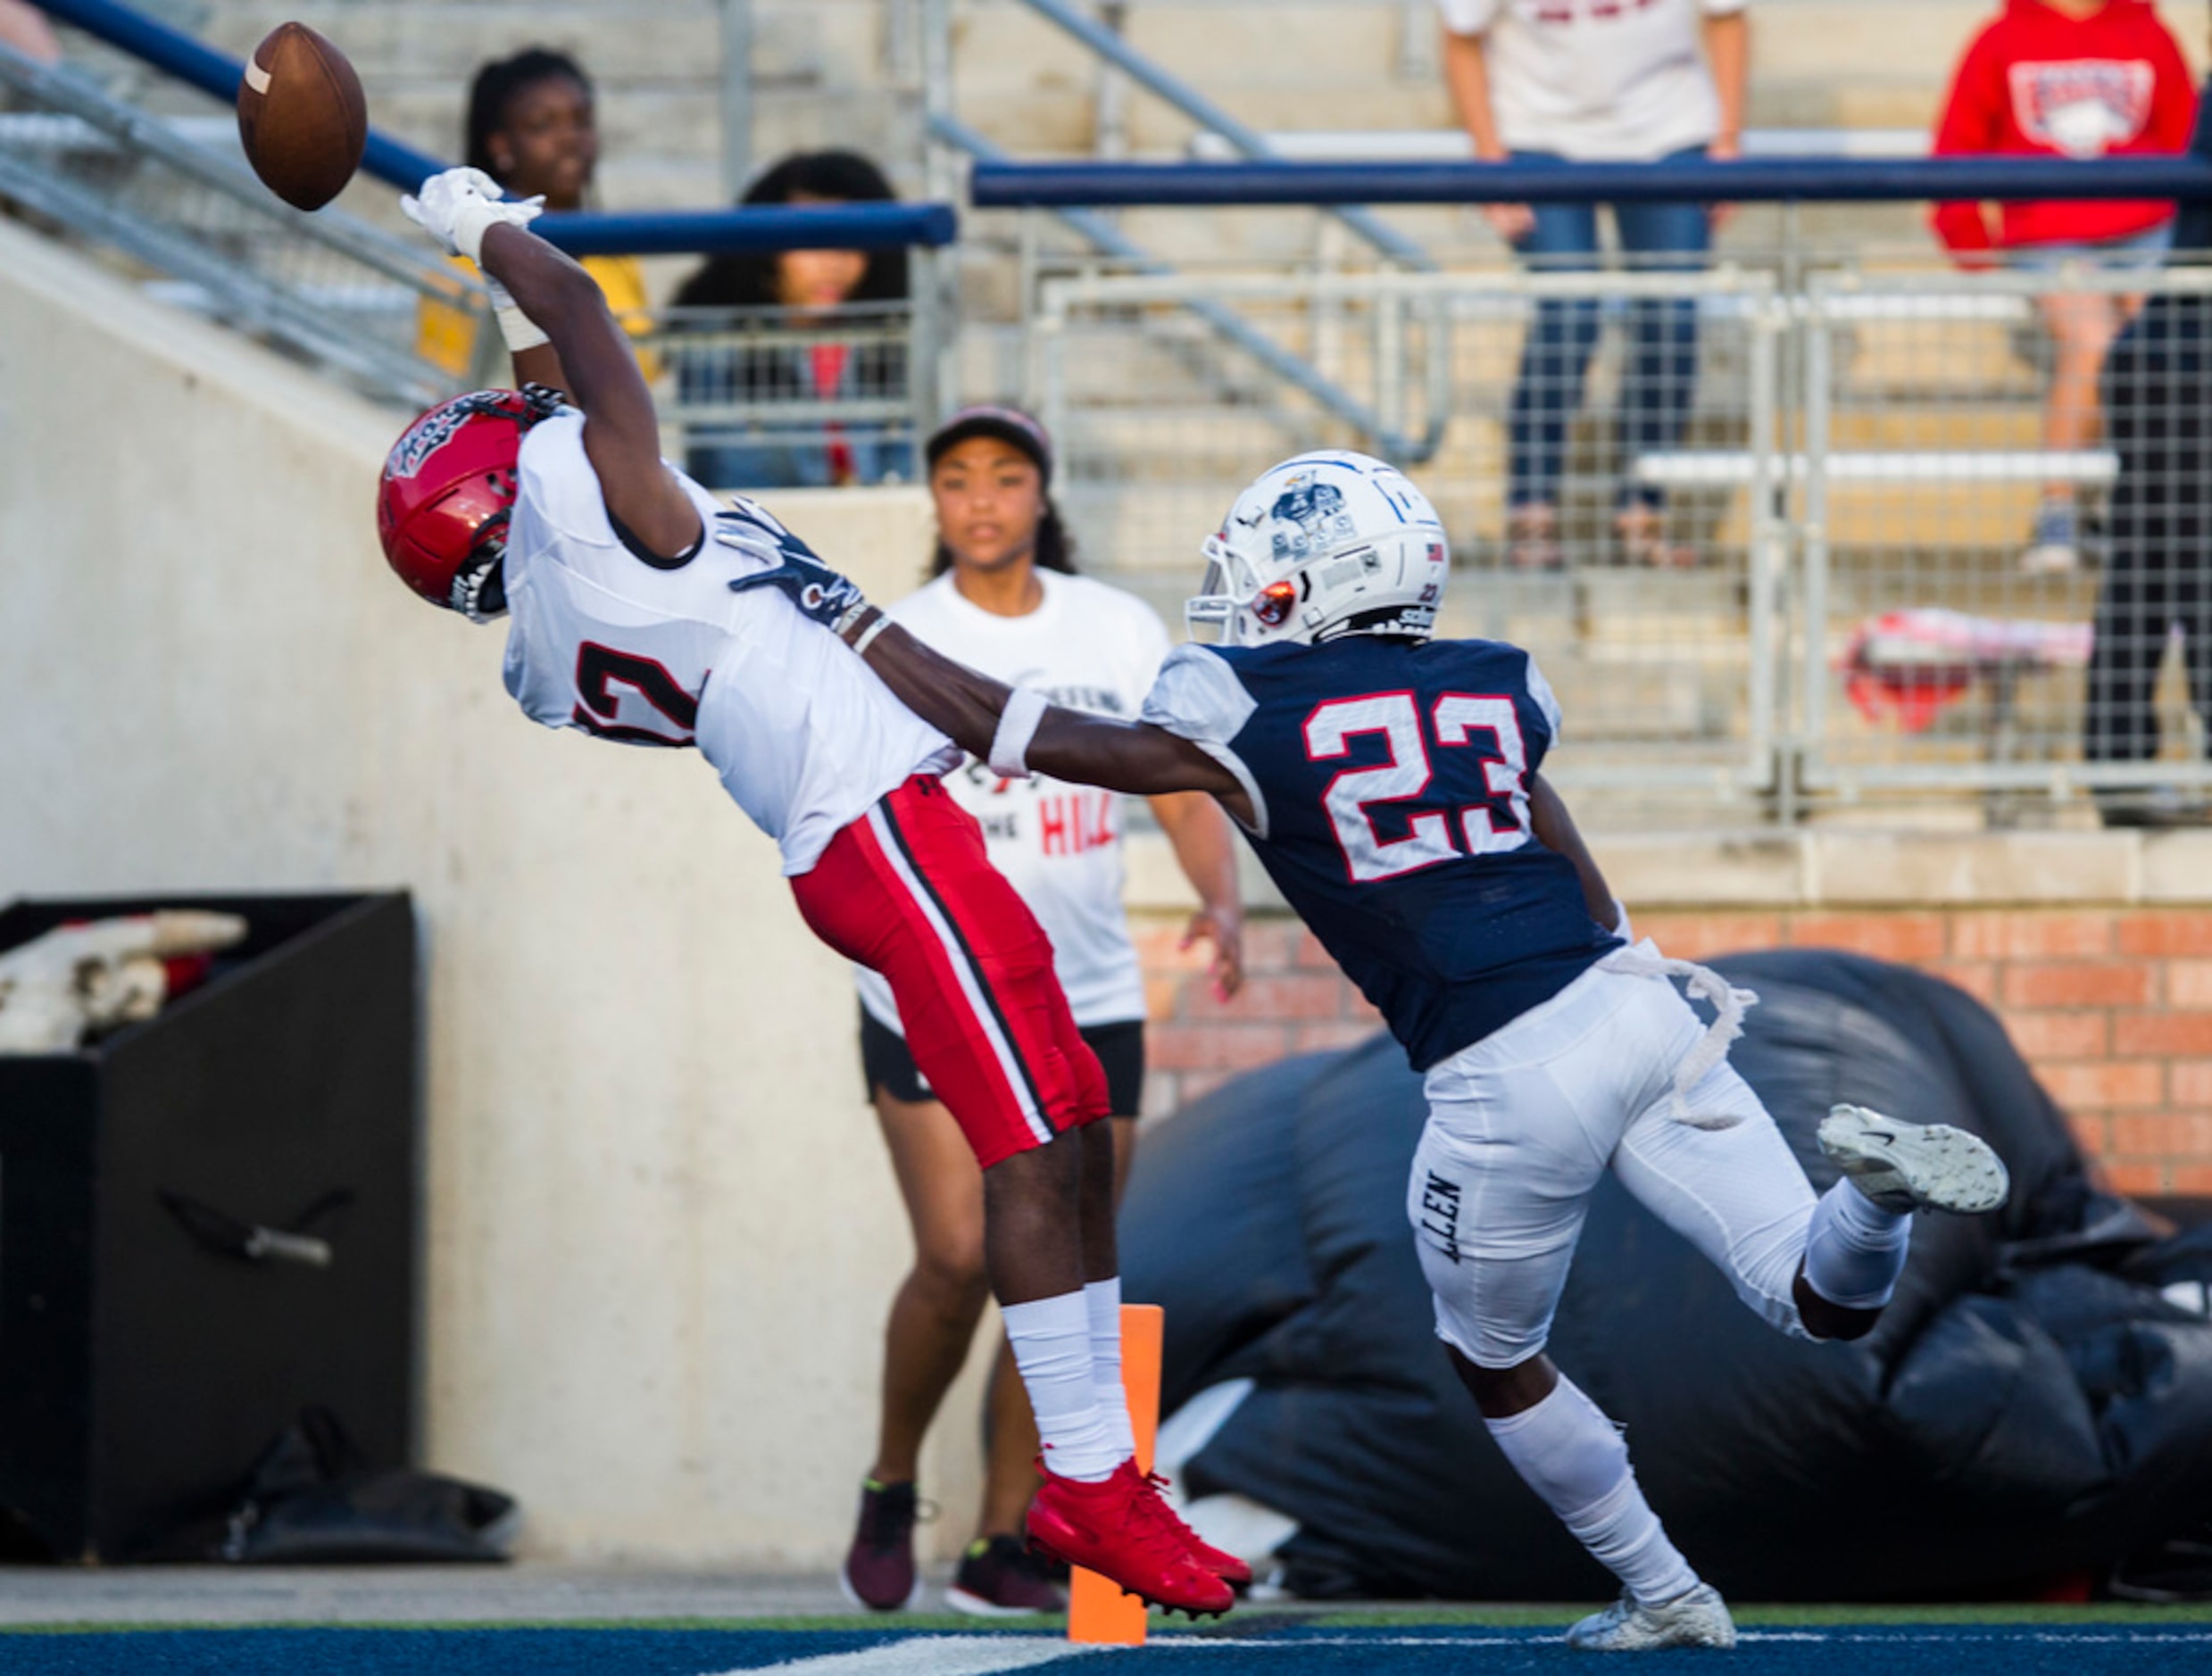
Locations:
(662, 1231)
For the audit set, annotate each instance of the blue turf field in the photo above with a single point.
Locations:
(2033, 1649)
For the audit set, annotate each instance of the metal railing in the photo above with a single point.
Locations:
(1828, 540)
(326, 286)
(1813, 577)
(948, 135)
(756, 399)
(1954, 636)
(174, 198)
(1259, 183)
(1671, 677)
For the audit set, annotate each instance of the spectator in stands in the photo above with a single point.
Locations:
(795, 297)
(2067, 79)
(2157, 397)
(1005, 599)
(25, 29)
(532, 128)
(1591, 81)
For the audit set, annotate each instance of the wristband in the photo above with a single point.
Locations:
(853, 617)
(471, 221)
(521, 331)
(868, 634)
(1017, 726)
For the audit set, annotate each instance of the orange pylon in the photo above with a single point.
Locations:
(1099, 1614)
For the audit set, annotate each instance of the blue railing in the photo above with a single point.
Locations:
(842, 227)
(768, 227)
(1792, 180)
(176, 54)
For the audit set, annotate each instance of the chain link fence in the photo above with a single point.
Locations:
(1782, 545)
(2002, 550)
(1651, 601)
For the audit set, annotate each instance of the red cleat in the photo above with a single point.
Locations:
(1121, 1529)
(1222, 1563)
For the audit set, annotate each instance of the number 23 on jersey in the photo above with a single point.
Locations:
(1494, 819)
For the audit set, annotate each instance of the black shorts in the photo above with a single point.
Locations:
(886, 1064)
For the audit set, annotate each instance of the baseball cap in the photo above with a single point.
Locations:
(1008, 424)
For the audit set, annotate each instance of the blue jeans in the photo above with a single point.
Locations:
(1660, 374)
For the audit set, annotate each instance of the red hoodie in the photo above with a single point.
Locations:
(2037, 83)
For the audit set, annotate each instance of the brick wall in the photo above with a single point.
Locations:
(2112, 1005)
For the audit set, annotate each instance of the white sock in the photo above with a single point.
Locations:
(1568, 1453)
(1102, 1298)
(1052, 1342)
(1855, 1251)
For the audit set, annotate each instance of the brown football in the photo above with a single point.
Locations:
(302, 116)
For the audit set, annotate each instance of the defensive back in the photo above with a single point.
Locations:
(1391, 783)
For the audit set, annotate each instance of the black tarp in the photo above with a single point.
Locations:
(2029, 1407)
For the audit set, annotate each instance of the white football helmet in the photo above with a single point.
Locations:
(1322, 545)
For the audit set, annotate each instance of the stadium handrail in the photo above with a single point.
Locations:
(176, 54)
(1275, 182)
(580, 232)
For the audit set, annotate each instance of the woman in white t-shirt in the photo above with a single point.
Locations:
(1005, 599)
(1599, 81)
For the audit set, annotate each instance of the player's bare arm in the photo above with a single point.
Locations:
(1555, 831)
(972, 707)
(590, 359)
(557, 323)
(1133, 757)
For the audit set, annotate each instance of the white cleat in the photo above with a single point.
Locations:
(1697, 1619)
(1905, 1167)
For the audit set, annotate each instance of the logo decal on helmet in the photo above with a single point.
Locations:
(425, 436)
(1314, 512)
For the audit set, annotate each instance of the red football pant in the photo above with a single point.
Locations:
(908, 891)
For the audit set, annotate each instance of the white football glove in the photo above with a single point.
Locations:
(458, 207)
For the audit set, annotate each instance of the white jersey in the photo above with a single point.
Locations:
(1596, 80)
(613, 641)
(1087, 647)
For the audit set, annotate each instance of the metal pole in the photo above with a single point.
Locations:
(1769, 539)
(1112, 136)
(736, 98)
(937, 71)
(1813, 701)
(942, 174)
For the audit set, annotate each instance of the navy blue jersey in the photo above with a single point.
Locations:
(1390, 784)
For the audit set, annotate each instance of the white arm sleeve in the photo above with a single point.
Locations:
(1199, 698)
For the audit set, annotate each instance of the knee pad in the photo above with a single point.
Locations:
(1495, 1311)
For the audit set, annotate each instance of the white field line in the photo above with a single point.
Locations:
(933, 1656)
(988, 1654)
(1935, 1635)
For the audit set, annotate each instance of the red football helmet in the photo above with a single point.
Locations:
(447, 493)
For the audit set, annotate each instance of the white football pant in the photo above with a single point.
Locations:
(1521, 1125)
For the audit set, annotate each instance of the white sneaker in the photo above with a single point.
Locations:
(1905, 1167)
(1697, 1619)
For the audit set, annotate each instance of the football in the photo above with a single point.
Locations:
(302, 117)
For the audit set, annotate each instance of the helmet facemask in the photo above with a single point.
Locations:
(480, 585)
